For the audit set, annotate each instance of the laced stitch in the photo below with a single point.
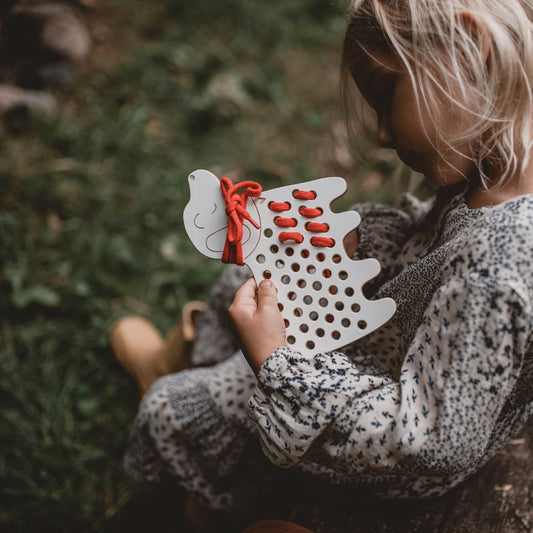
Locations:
(308, 212)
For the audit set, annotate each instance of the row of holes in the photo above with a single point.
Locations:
(345, 322)
(313, 315)
(317, 285)
(310, 269)
(323, 302)
(319, 332)
(305, 253)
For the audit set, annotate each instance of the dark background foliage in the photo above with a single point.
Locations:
(91, 201)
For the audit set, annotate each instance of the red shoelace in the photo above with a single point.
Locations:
(236, 212)
(236, 196)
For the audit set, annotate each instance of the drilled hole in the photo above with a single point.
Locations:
(291, 296)
(274, 249)
(333, 289)
(268, 233)
(291, 339)
(308, 300)
(339, 306)
(310, 345)
(298, 312)
(362, 324)
(302, 283)
(336, 258)
(317, 285)
(346, 323)
(323, 302)
(261, 258)
(287, 323)
(305, 253)
(326, 273)
(295, 267)
(356, 308)
(336, 335)
(320, 332)
(349, 291)
(320, 257)
(280, 307)
(267, 274)
(313, 315)
(304, 328)
(289, 251)
(285, 280)
(330, 318)
(311, 269)
(280, 263)
(343, 274)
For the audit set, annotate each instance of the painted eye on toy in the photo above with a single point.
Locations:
(196, 222)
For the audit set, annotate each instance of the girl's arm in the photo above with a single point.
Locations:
(435, 418)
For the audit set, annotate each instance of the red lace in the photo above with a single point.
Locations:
(308, 212)
(236, 212)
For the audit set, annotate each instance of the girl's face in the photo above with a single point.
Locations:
(385, 84)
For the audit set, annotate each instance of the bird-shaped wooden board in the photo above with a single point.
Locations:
(291, 236)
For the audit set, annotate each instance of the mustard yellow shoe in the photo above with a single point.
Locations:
(145, 354)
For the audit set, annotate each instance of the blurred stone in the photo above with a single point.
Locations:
(12, 97)
(64, 34)
(40, 43)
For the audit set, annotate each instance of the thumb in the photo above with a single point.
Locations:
(267, 295)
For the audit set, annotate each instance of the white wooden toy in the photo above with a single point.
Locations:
(290, 235)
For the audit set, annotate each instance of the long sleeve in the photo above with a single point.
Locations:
(434, 418)
(384, 230)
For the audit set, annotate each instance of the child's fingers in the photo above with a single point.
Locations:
(246, 291)
(267, 295)
(244, 297)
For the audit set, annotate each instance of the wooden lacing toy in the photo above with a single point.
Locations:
(290, 235)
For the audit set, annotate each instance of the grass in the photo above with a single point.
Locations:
(91, 200)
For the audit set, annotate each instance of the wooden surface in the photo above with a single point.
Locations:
(498, 499)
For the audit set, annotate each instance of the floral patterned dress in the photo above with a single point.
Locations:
(409, 411)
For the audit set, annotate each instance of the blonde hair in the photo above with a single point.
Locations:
(446, 62)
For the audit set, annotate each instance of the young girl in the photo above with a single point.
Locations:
(419, 405)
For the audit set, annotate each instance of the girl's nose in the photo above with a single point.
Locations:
(385, 138)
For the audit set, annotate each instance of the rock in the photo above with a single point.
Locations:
(40, 43)
(64, 34)
(12, 97)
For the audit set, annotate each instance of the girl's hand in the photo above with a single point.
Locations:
(258, 322)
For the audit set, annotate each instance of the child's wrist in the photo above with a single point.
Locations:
(257, 359)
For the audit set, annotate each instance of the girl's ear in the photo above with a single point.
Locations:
(477, 28)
